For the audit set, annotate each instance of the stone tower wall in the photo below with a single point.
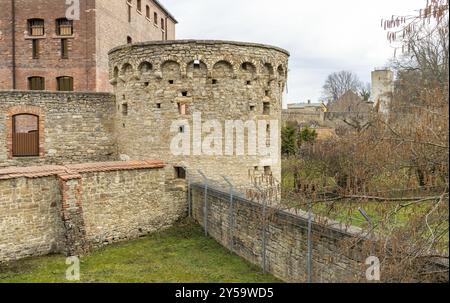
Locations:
(233, 81)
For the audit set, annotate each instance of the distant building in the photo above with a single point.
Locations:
(349, 110)
(310, 114)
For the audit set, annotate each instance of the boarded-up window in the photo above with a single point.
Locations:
(35, 46)
(36, 83)
(64, 27)
(183, 109)
(25, 135)
(36, 27)
(65, 84)
(64, 49)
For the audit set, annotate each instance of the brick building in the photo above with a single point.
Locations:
(41, 49)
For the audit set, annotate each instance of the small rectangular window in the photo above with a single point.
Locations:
(139, 5)
(36, 27)
(65, 84)
(64, 49)
(183, 109)
(129, 12)
(180, 173)
(64, 27)
(147, 11)
(155, 18)
(162, 24)
(35, 46)
(266, 108)
(36, 83)
(267, 170)
(125, 109)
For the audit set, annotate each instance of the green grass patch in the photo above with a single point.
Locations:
(181, 254)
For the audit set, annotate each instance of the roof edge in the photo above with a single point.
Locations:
(194, 41)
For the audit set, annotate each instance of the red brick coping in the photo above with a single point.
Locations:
(73, 171)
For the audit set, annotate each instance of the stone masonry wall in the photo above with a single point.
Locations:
(74, 127)
(232, 81)
(286, 240)
(30, 222)
(74, 208)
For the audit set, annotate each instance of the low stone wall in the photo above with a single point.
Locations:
(73, 127)
(285, 239)
(74, 208)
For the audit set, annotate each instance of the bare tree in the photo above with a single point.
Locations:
(339, 83)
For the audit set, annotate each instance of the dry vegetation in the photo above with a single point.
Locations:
(396, 170)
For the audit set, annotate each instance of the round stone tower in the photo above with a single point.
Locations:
(184, 102)
(382, 89)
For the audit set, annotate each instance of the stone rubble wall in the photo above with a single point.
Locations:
(74, 208)
(74, 127)
(232, 81)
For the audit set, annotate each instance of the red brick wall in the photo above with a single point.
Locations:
(103, 25)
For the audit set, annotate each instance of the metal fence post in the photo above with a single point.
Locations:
(309, 260)
(264, 243)
(189, 194)
(231, 214)
(205, 207)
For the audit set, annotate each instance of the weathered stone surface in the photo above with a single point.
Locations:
(231, 81)
(78, 207)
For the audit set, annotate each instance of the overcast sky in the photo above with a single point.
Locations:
(323, 36)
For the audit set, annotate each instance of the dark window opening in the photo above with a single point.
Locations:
(214, 81)
(162, 24)
(252, 107)
(139, 5)
(129, 11)
(184, 93)
(35, 46)
(158, 105)
(181, 129)
(36, 83)
(266, 108)
(64, 49)
(267, 93)
(249, 82)
(36, 27)
(267, 170)
(64, 27)
(180, 173)
(65, 84)
(125, 109)
(146, 84)
(147, 11)
(25, 135)
(155, 18)
(129, 40)
(171, 82)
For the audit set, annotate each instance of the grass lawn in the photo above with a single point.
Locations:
(179, 254)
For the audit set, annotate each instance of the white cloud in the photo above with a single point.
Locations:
(322, 36)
